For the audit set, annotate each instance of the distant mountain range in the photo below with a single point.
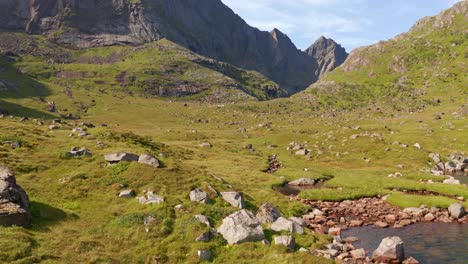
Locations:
(207, 27)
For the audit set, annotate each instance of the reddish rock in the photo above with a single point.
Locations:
(390, 218)
(410, 260)
(381, 224)
(356, 223)
(334, 231)
(429, 217)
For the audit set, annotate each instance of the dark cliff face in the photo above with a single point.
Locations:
(328, 54)
(207, 27)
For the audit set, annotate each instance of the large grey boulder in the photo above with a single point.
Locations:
(199, 196)
(236, 199)
(149, 160)
(241, 226)
(14, 202)
(283, 224)
(268, 213)
(389, 251)
(457, 210)
(115, 158)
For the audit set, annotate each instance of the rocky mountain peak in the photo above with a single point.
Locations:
(328, 54)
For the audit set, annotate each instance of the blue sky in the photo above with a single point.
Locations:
(352, 23)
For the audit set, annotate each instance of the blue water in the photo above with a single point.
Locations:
(429, 243)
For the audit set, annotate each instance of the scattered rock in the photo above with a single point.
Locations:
(76, 152)
(236, 199)
(457, 210)
(283, 224)
(287, 241)
(358, 254)
(390, 251)
(268, 213)
(149, 160)
(115, 158)
(204, 254)
(205, 145)
(334, 231)
(302, 152)
(302, 182)
(205, 237)
(14, 202)
(53, 127)
(199, 196)
(127, 194)
(241, 226)
(203, 219)
(429, 217)
(150, 198)
(381, 224)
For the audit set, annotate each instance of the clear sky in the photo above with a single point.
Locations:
(352, 23)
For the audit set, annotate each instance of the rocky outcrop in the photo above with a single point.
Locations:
(241, 226)
(14, 202)
(328, 54)
(207, 27)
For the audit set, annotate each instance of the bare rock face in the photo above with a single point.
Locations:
(207, 27)
(14, 202)
(328, 54)
(390, 251)
(241, 226)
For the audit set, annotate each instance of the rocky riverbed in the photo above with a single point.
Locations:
(375, 211)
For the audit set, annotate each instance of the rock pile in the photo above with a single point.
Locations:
(457, 163)
(14, 202)
(374, 211)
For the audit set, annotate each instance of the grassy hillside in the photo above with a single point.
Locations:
(359, 132)
(410, 72)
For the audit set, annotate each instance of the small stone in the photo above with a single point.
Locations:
(205, 237)
(358, 254)
(203, 219)
(429, 217)
(127, 194)
(204, 254)
(205, 145)
(410, 260)
(334, 231)
(381, 224)
(199, 196)
(457, 210)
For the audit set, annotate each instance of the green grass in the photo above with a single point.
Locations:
(77, 216)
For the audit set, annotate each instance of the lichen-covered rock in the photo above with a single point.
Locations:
(14, 202)
(241, 226)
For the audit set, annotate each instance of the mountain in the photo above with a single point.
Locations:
(328, 54)
(411, 71)
(207, 27)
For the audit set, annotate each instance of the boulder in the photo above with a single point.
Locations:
(205, 237)
(302, 152)
(358, 254)
(457, 210)
(150, 198)
(127, 194)
(389, 251)
(236, 199)
(283, 224)
(429, 217)
(287, 241)
(76, 152)
(204, 254)
(268, 213)
(199, 196)
(115, 158)
(302, 182)
(149, 160)
(203, 219)
(14, 202)
(241, 226)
